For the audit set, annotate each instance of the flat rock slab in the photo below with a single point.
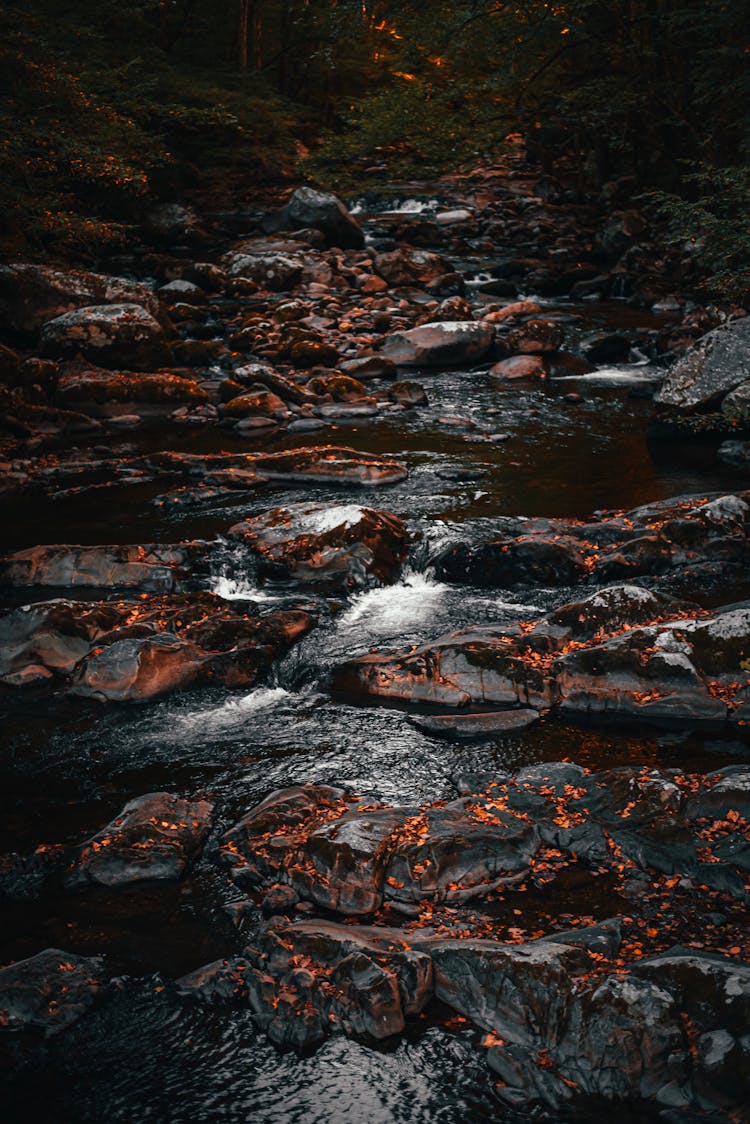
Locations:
(49, 991)
(475, 725)
(151, 568)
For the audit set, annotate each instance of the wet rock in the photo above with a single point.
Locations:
(535, 337)
(154, 569)
(49, 991)
(517, 367)
(48, 639)
(440, 344)
(514, 561)
(264, 404)
(287, 390)
(350, 859)
(341, 388)
(454, 309)
(718, 363)
(104, 394)
(407, 393)
(138, 669)
(736, 405)
(328, 464)
(124, 335)
(409, 267)
(607, 347)
(735, 454)
(513, 311)
(369, 367)
(32, 295)
(346, 546)
(620, 231)
(482, 725)
(277, 272)
(324, 212)
(682, 668)
(152, 840)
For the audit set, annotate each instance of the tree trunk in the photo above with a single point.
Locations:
(242, 35)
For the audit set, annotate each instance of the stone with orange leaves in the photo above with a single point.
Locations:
(49, 991)
(153, 839)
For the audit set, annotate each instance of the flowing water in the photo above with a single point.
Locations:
(69, 766)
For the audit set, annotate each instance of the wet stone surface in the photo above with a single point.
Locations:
(435, 802)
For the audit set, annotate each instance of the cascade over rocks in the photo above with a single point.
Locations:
(347, 546)
(590, 657)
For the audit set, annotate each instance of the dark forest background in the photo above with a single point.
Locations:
(108, 106)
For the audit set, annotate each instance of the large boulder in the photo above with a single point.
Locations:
(441, 344)
(325, 212)
(39, 642)
(152, 840)
(345, 545)
(715, 365)
(49, 991)
(114, 335)
(138, 669)
(30, 295)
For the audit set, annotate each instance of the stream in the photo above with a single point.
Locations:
(475, 453)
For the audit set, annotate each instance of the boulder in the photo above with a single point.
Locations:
(277, 272)
(535, 337)
(517, 367)
(736, 405)
(48, 639)
(346, 546)
(31, 295)
(369, 367)
(440, 344)
(49, 991)
(124, 335)
(152, 840)
(325, 212)
(714, 366)
(138, 669)
(409, 267)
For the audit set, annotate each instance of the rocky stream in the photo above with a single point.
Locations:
(375, 669)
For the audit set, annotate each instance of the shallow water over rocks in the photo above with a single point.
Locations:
(476, 452)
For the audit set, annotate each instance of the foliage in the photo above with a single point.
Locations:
(109, 105)
(711, 225)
